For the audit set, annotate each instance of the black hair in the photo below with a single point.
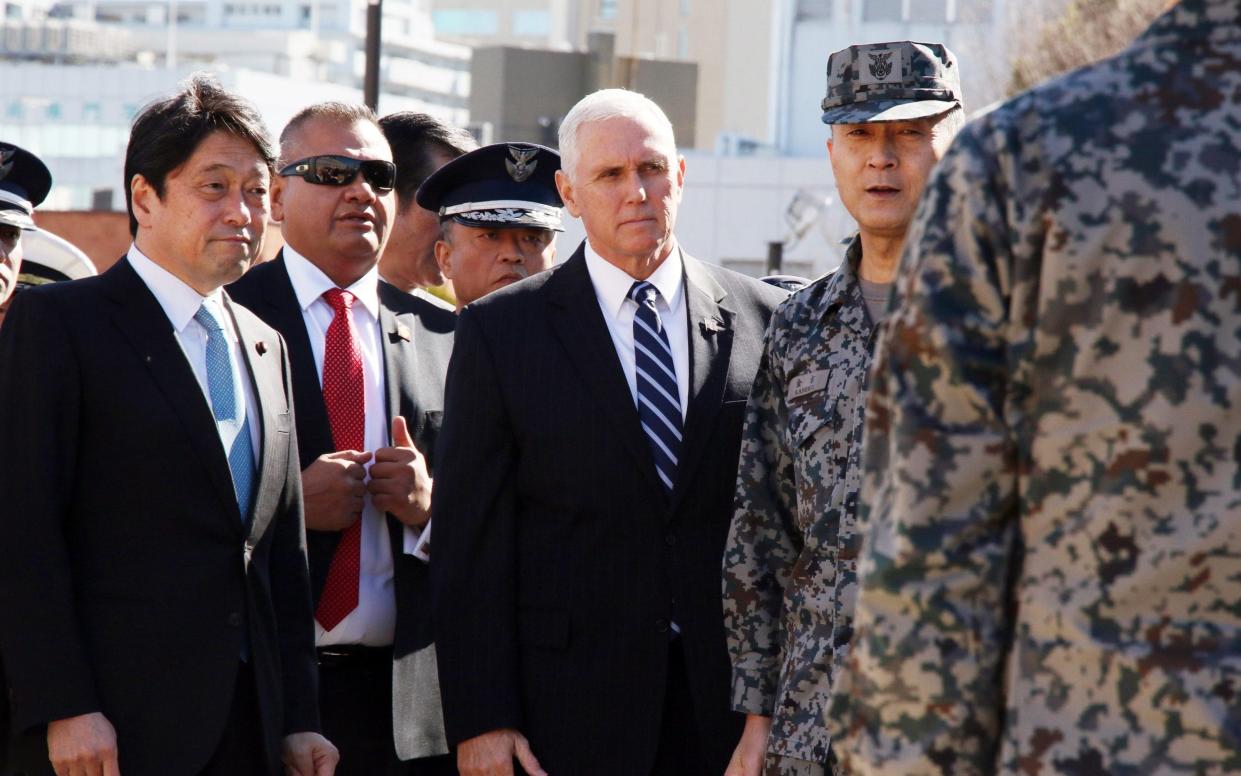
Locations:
(168, 131)
(413, 137)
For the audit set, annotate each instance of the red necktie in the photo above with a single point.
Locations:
(344, 393)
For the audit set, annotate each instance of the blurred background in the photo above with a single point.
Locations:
(740, 79)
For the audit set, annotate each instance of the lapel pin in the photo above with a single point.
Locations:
(711, 324)
(403, 332)
(261, 347)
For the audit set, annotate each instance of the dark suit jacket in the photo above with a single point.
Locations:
(127, 577)
(560, 561)
(417, 339)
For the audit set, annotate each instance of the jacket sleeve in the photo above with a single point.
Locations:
(474, 562)
(922, 686)
(763, 542)
(48, 671)
(290, 580)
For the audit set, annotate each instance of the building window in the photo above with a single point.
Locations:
(683, 43)
(532, 23)
(685, 7)
(457, 22)
(91, 111)
(933, 11)
(15, 110)
(882, 10)
(607, 9)
(52, 111)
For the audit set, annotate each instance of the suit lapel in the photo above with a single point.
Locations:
(397, 340)
(710, 349)
(267, 384)
(145, 324)
(284, 314)
(396, 336)
(581, 329)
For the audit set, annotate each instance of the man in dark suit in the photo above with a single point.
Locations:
(421, 144)
(369, 363)
(591, 436)
(153, 578)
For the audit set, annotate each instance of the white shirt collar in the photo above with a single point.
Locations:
(612, 283)
(310, 283)
(179, 300)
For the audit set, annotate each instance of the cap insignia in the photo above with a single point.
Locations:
(880, 64)
(6, 160)
(522, 166)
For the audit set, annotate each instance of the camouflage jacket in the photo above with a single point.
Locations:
(790, 561)
(1051, 578)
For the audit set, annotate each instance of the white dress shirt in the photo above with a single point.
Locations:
(373, 622)
(612, 286)
(180, 303)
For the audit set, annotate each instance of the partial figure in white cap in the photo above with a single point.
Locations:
(24, 184)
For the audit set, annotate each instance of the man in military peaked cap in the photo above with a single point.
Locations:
(499, 211)
(24, 184)
(893, 109)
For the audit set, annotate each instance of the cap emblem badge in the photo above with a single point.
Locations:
(6, 160)
(521, 167)
(880, 64)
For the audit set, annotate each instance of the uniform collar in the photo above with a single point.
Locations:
(844, 289)
(612, 283)
(310, 283)
(179, 300)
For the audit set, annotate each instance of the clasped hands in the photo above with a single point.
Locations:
(85, 745)
(335, 486)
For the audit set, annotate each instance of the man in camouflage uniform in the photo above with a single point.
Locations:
(1051, 579)
(789, 576)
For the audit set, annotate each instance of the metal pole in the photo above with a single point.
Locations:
(370, 82)
(170, 55)
(775, 257)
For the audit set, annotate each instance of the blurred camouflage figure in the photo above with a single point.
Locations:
(1051, 580)
(789, 565)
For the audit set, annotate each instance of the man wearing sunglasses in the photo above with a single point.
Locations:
(369, 364)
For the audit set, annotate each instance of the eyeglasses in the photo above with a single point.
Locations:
(332, 170)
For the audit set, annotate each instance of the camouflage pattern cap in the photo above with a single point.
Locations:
(890, 82)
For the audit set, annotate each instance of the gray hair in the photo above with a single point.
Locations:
(600, 106)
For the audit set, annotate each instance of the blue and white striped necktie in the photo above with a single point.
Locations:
(659, 404)
(223, 390)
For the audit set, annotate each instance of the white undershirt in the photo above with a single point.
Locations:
(612, 286)
(373, 622)
(180, 302)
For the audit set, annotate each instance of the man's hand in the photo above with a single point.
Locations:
(333, 488)
(309, 754)
(747, 759)
(400, 484)
(491, 754)
(83, 746)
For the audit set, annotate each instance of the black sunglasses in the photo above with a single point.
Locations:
(332, 170)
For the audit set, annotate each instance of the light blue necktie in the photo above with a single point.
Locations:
(223, 391)
(659, 403)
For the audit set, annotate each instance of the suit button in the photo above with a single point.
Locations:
(662, 625)
(234, 619)
(670, 540)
